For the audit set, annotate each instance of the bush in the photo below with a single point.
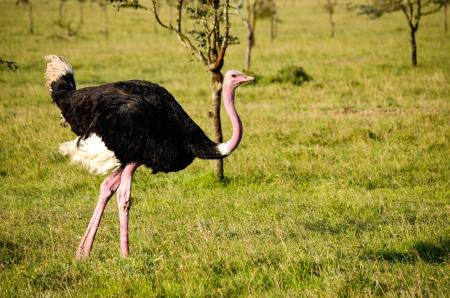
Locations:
(295, 75)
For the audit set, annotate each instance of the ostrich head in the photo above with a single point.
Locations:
(233, 78)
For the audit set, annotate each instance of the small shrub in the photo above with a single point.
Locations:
(10, 64)
(295, 75)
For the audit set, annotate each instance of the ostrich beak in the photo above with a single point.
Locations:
(246, 78)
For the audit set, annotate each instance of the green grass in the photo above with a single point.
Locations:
(340, 186)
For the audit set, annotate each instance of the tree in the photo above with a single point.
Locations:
(61, 9)
(207, 41)
(446, 15)
(256, 9)
(273, 21)
(330, 6)
(69, 30)
(267, 9)
(445, 4)
(81, 4)
(413, 10)
(30, 13)
(250, 22)
(104, 6)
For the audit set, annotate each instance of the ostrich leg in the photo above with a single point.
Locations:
(124, 204)
(107, 189)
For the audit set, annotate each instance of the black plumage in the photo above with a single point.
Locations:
(139, 121)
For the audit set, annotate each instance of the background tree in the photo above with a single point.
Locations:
(104, 7)
(445, 4)
(30, 13)
(256, 9)
(249, 20)
(267, 9)
(446, 15)
(62, 3)
(68, 27)
(81, 5)
(207, 41)
(413, 10)
(330, 6)
(273, 21)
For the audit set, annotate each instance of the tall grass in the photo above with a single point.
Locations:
(340, 187)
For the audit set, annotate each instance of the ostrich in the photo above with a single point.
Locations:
(123, 125)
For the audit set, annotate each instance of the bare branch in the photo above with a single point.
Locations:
(180, 8)
(438, 7)
(128, 4)
(189, 45)
(223, 48)
(418, 15)
(155, 12)
(185, 41)
(252, 10)
(243, 17)
(408, 15)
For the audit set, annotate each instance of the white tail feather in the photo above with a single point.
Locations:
(92, 154)
(57, 66)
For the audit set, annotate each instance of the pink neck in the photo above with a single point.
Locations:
(228, 101)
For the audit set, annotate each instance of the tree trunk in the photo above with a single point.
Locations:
(105, 12)
(445, 17)
(216, 93)
(81, 12)
(248, 51)
(332, 25)
(61, 7)
(30, 17)
(413, 47)
(273, 26)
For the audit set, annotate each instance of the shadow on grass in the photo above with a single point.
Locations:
(327, 226)
(432, 252)
(359, 282)
(208, 180)
(10, 253)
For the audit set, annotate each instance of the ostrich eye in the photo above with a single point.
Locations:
(233, 76)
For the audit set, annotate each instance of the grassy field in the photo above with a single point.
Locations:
(340, 186)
